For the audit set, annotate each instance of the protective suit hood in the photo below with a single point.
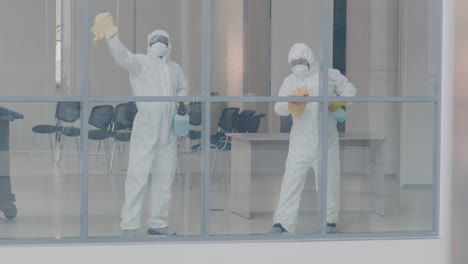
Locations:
(160, 32)
(302, 51)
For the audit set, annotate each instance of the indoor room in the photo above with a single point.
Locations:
(259, 118)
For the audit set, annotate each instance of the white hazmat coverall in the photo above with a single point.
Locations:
(304, 151)
(153, 147)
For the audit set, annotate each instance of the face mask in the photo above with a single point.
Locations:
(300, 70)
(159, 50)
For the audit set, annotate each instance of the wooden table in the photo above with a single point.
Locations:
(241, 167)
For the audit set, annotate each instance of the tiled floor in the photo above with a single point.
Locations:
(49, 202)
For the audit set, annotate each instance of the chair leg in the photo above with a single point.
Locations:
(194, 168)
(52, 153)
(98, 150)
(111, 167)
(220, 167)
(178, 166)
(181, 166)
(62, 142)
(213, 165)
(108, 152)
(77, 145)
(33, 147)
(119, 151)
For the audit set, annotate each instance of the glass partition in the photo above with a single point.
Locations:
(226, 127)
(40, 179)
(385, 168)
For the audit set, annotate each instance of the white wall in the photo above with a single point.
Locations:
(372, 66)
(293, 21)
(27, 48)
(459, 228)
(27, 63)
(417, 79)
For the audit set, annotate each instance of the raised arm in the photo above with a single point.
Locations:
(104, 27)
(122, 56)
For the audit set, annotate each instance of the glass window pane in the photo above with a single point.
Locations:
(386, 168)
(388, 47)
(28, 54)
(136, 20)
(40, 179)
(255, 183)
(252, 40)
(140, 172)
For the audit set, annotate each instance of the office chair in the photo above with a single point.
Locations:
(46, 130)
(227, 124)
(68, 112)
(101, 118)
(122, 124)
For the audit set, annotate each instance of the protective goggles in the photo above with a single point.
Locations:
(158, 38)
(300, 62)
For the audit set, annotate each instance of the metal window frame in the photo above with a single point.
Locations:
(207, 100)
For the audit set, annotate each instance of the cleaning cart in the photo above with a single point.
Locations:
(7, 198)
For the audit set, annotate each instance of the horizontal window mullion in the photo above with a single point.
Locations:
(231, 238)
(146, 99)
(409, 99)
(17, 99)
(264, 99)
(217, 99)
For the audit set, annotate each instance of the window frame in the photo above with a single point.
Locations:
(206, 99)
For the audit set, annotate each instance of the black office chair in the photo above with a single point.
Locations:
(68, 112)
(46, 130)
(122, 124)
(227, 124)
(101, 118)
(245, 118)
(254, 123)
(194, 111)
(195, 120)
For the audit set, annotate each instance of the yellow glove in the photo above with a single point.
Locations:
(297, 108)
(179, 104)
(335, 106)
(104, 27)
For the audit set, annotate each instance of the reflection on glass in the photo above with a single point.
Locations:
(40, 170)
(148, 147)
(386, 159)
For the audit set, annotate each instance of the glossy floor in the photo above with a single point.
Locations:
(49, 202)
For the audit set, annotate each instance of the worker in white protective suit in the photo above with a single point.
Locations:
(153, 149)
(304, 150)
